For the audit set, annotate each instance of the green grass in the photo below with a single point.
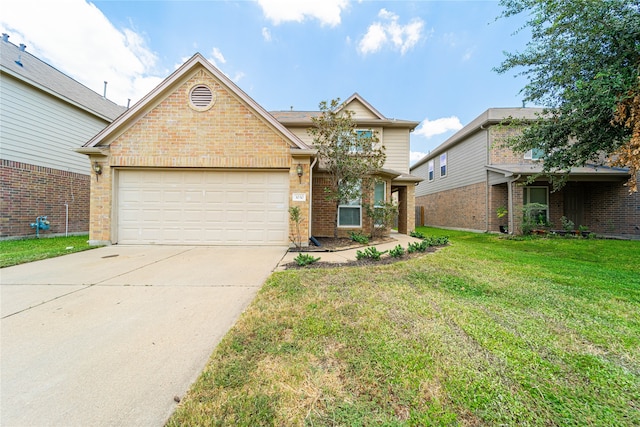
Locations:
(14, 252)
(486, 331)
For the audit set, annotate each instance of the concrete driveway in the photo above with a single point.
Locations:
(109, 336)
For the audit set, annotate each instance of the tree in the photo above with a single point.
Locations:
(350, 158)
(583, 63)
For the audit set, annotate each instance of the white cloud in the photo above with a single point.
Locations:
(414, 156)
(326, 11)
(429, 128)
(388, 31)
(75, 37)
(266, 34)
(217, 56)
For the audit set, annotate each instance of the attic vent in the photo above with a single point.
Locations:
(201, 97)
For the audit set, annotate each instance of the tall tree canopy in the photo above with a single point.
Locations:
(350, 157)
(582, 64)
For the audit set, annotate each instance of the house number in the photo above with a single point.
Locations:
(299, 197)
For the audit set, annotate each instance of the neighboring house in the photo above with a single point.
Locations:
(472, 174)
(197, 161)
(44, 116)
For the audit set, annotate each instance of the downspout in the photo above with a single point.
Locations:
(510, 201)
(315, 160)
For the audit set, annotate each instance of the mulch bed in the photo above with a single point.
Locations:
(334, 245)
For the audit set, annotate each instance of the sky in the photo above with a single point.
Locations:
(427, 61)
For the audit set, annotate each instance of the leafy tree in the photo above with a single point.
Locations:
(349, 157)
(582, 63)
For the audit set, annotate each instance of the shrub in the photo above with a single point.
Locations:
(417, 247)
(567, 224)
(382, 217)
(305, 259)
(417, 234)
(359, 237)
(436, 241)
(397, 252)
(371, 253)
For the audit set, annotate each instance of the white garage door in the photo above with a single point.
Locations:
(202, 207)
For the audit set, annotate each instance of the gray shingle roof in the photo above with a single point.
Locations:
(42, 75)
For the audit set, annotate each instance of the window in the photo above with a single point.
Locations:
(534, 154)
(361, 133)
(350, 213)
(379, 197)
(538, 195)
(431, 172)
(443, 164)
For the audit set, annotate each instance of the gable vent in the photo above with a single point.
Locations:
(201, 97)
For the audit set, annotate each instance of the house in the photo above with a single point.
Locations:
(197, 161)
(45, 115)
(472, 175)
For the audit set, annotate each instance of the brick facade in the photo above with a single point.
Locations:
(325, 211)
(29, 191)
(462, 207)
(172, 134)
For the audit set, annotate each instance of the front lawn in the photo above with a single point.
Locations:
(486, 331)
(13, 252)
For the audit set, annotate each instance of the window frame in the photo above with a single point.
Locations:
(444, 165)
(431, 170)
(529, 154)
(384, 198)
(526, 197)
(351, 204)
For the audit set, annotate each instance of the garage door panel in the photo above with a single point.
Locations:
(202, 207)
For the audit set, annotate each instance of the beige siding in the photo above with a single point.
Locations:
(302, 134)
(360, 110)
(465, 166)
(396, 142)
(41, 130)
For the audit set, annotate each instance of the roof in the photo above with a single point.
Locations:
(43, 76)
(492, 116)
(303, 118)
(196, 60)
(534, 169)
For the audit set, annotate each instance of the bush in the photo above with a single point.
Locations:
(437, 241)
(305, 259)
(371, 253)
(417, 234)
(359, 237)
(417, 247)
(397, 252)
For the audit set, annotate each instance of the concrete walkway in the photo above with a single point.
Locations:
(109, 336)
(344, 256)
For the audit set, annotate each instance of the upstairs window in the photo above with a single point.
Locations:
(534, 154)
(431, 170)
(443, 164)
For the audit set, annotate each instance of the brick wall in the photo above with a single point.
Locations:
(28, 191)
(325, 212)
(462, 207)
(498, 197)
(610, 209)
(499, 153)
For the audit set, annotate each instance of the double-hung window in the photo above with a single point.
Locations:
(350, 213)
(379, 197)
(431, 170)
(443, 164)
